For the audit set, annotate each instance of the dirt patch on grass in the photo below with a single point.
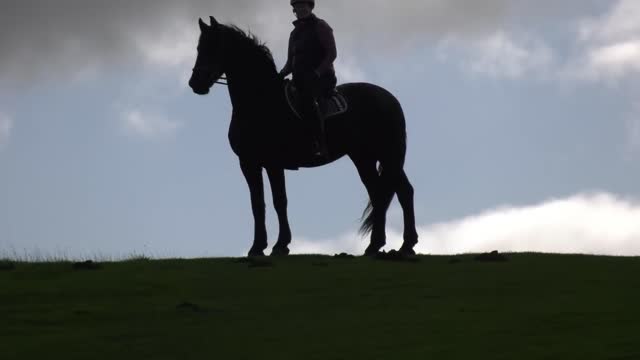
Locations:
(344, 256)
(493, 256)
(86, 265)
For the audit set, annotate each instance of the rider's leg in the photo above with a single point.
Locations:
(309, 89)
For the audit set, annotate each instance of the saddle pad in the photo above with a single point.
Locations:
(333, 105)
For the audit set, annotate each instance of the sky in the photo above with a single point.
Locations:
(523, 122)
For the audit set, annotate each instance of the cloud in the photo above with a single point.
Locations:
(389, 24)
(149, 126)
(40, 39)
(621, 21)
(612, 42)
(603, 47)
(498, 55)
(601, 224)
(614, 60)
(70, 39)
(6, 125)
(176, 48)
(348, 70)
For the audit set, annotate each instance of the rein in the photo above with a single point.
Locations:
(223, 81)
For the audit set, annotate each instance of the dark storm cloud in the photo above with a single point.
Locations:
(40, 37)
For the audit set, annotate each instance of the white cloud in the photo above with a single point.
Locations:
(499, 54)
(612, 42)
(348, 70)
(149, 126)
(600, 224)
(170, 49)
(620, 22)
(6, 125)
(614, 60)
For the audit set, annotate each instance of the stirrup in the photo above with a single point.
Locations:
(320, 149)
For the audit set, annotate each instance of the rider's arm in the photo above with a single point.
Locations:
(286, 70)
(325, 34)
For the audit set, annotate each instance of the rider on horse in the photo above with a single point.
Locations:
(312, 50)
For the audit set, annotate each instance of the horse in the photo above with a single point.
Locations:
(266, 134)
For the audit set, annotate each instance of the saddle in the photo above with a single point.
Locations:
(331, 104)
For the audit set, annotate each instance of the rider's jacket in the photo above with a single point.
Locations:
(312, 47)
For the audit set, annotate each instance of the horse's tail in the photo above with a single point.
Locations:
(367, 215)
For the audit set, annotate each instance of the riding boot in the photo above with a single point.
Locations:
(319, 137)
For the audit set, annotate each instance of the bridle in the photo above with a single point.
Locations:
(221, 80)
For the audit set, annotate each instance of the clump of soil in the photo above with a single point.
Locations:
(86, 265)
(493, 256)
(394, 255)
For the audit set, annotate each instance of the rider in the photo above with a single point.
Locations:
(312, 50)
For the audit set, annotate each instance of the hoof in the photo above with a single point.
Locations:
(255, 253)
(373, 250)
(407, 251)
(371, 253)
(279, 251)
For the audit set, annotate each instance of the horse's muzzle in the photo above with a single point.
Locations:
(201, 91)
(198, 88)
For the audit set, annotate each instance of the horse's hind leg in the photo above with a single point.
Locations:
(279, 192)
(253, 174)
(405, 197)
(372, 181)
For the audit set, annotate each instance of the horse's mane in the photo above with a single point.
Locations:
(250, 42)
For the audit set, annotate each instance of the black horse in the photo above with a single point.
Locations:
(265, 134)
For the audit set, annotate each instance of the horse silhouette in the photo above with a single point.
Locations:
(266, 134)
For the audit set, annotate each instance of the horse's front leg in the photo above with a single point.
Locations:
(253, 174)
(279, 192)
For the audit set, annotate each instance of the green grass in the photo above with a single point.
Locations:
(312, 307)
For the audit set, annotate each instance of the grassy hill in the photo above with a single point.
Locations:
(533, 306)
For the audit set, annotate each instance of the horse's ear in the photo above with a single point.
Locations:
(203, 27)
(214, 22)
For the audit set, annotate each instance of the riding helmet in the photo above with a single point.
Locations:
(312, 2)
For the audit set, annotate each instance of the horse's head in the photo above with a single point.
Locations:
(210, 64)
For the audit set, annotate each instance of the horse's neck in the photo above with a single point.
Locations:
(249, 89)
(244, 93)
